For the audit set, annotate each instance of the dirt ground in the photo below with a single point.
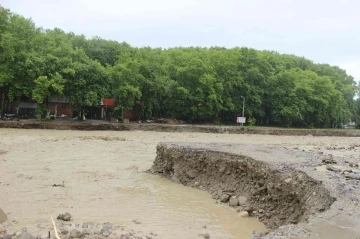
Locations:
(104, 179)
(94, 125)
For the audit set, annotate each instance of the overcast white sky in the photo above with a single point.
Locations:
(325, 31)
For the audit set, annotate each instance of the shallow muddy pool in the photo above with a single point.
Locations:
(104, 179)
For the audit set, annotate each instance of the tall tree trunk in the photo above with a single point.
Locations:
(3, 103)
(7, 106)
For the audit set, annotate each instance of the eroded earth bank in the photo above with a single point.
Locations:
(278, 191)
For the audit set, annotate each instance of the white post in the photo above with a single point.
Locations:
(243, 108)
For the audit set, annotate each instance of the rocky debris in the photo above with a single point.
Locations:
(97, 231)
(74, 233)
(105, 232)
(3, 216)
(224, 198)
(75, 230)
(2, 229)
(64, 217)
(333, 168)
(352, 176)
(25, 235)
(257, 234)
(233, 202)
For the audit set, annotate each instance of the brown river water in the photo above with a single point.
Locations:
(104, 178)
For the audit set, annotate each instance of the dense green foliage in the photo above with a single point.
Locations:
(194, 84)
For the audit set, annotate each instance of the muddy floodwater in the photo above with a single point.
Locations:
(104, 181)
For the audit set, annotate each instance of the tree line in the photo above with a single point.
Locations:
(195, 84)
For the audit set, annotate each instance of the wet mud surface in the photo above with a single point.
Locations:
(105, 180)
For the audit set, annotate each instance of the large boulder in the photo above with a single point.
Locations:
(3, 216)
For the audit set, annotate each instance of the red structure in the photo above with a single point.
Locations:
(108, 102)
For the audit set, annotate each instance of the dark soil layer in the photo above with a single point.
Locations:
(276, 198)
(93, 126)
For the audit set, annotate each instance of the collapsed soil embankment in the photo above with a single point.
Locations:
(101, 125)
(276, 198)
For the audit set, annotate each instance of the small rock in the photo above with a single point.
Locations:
(64, 217)
(87, 231)
(196, 184)
(224, 198)
(136, 221)
(75, 233)
(67, 217)
(26, 235)
(85, 225)
(215, 196)
(64, 232)
(18, 233)
(354, 165)
(332, 168)
(206, 235)
(242, 200)
(261, 210)
(41, 225)
(233, 202)
(288, 180)
(249, 209)
(244, 214)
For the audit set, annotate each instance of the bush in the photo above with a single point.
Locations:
(251, 122)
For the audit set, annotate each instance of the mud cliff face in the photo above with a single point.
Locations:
(276, 197)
